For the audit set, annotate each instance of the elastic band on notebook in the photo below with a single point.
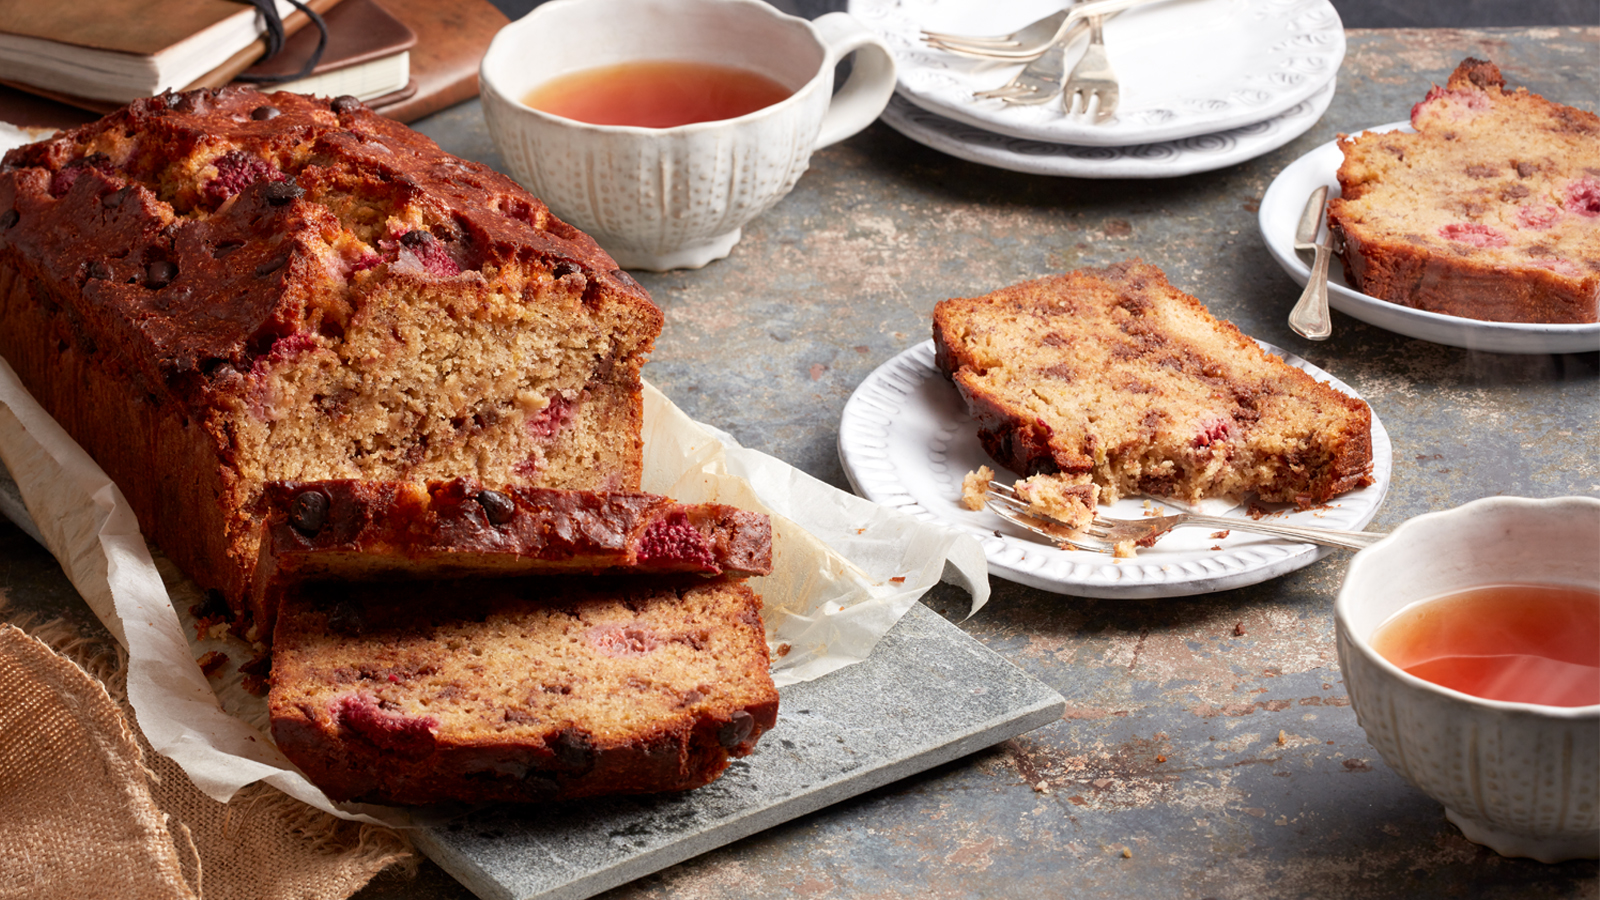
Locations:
(275, 37)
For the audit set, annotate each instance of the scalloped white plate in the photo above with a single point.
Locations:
(1168, 159)
(1186, 67)
(1280, 214)
(906, 441)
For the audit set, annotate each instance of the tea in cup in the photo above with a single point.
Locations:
(661, 127)
(1502, 728)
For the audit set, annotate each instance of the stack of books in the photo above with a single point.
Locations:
(100, 54)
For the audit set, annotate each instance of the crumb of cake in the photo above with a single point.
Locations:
(1123, 550)
(1126, 853)
(1216, 546)
(898, 579)
(1042, 787)
(975, 488)
(1282, 739)
(256, 674)
(1219, 535)
(1257, 511)
(1161, 759)
(1067, 499)
(782, 650)
(212, 661)
(1238, 629)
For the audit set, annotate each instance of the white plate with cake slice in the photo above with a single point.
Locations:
(906, 441)
(1280, 213)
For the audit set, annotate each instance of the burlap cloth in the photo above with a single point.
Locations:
(87, 811)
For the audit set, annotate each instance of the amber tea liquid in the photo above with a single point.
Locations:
(656, 94)
(1523, 643)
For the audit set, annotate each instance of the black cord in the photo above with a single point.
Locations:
(275, 38)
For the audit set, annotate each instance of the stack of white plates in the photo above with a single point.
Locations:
(1205, 84)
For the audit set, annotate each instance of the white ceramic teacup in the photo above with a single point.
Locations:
(1519, 778)
(665, 198)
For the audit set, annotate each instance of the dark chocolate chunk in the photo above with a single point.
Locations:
(9, 218)
(99, 270)
(564, 268)
(345, 104)
(159, 274)
(115, 198)
(574, 750)
(270, 266)
(737, 730)
(624, 277)
(308, 512)
(224, 248)
(497, 506)
(280, 192)
(263, 113)
(417, 238)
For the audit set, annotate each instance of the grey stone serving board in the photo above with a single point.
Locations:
(928, 694)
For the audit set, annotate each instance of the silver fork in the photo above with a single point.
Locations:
(983, 49)
(1034, 34)
(1040, 80)
(1144, 532)
(1091, 80)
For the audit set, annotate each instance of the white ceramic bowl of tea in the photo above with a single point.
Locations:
(1520, 778)
(676, 197)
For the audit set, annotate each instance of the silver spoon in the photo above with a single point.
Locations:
(1310, 318)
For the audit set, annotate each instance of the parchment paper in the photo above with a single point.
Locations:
(845, 570)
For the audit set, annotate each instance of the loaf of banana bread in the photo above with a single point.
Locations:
(518, 690)
(1115, 374)
(216, 290)
(1491, 210)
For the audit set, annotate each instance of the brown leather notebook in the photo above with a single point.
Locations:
(451, 40)
(128, 48)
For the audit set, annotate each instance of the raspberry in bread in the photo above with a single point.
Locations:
(1115, 374)
(519, 689)
(402, 530)
(215, 290)
(1491, 210)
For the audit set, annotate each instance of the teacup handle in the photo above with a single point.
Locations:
(870, 85)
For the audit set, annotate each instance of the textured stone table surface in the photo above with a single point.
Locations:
(1208, 749)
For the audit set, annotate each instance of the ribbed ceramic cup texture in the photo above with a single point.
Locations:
(664, 198)
(1521, 779)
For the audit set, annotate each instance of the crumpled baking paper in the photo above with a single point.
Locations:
(845, 570)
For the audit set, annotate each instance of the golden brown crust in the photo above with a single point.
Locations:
(1115, 374)
(1490, 211)
(521, 690)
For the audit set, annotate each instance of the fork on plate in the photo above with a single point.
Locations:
(1039, 81)
(1091, 82)
(1020, 51)
(1036, 34)
(1103, 534)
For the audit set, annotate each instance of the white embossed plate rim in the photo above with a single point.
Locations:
(905, 440)
(1168, 159)
(1280, 213)
(1186, 67)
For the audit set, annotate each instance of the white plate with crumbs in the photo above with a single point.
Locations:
(1280, 213)
(1186, 67)
(906, 441)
